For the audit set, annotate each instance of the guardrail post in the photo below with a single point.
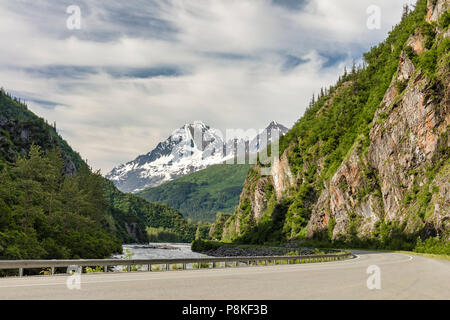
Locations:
(53, 270)
(105, 268)
(20, 272)
(149, 267)
(129, 268)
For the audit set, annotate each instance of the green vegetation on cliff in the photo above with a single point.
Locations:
(52, 206)
(20, 128)
(338, 125)
(348, 108)
(47, 214)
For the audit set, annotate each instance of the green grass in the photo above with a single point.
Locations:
(427, 255)
(202, 194)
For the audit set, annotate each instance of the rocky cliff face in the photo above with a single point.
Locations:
(396, 174)
(436, 9)
(282, 176)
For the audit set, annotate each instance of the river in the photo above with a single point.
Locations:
(149, 251)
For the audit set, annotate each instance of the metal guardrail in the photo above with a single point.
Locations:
(36, 264)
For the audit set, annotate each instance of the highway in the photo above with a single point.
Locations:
(401, 277)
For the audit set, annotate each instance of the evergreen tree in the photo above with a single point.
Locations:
(405, 11)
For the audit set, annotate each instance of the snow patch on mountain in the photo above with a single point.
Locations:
(192, 147)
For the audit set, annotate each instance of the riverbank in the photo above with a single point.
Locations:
(220, 249)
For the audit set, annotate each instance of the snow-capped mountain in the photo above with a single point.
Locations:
(190, 148)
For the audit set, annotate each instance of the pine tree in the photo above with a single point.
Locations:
(405, 11)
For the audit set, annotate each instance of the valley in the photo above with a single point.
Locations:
(366, 166)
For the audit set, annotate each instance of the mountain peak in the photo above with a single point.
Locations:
(195, 124)
(276, 125)
(192, 147)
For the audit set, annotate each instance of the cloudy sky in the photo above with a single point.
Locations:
(138, 69)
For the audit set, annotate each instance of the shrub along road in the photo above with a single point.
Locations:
(402, 277)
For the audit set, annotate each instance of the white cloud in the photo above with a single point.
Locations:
(231, 55)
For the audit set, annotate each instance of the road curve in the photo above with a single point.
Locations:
(402, 277)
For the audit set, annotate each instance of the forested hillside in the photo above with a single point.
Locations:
(368, 163)
(47, 214)
(200, 195)
(53, 206)
(157, 217)
(21, 128)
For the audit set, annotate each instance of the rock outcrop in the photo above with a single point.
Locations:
(281, 175)
(436, 8)
(397, 173)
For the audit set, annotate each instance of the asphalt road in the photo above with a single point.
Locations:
(402, 277)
